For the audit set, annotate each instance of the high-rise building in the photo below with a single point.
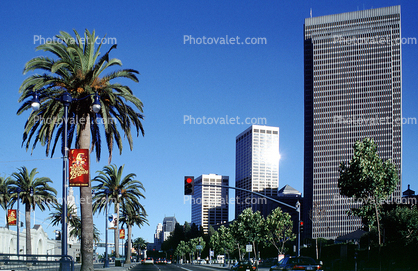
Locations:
(352, 86)
(157, 236)
(169, 224)
(164, 230)
(256, 166)
(210, 203)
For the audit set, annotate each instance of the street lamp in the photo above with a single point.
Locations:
(18, 190)
(106, 262)
(298, 241)
(66, 100)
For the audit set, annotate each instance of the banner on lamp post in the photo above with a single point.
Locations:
(11, 217)
(79, 167)
(122, 234)
(113, 222)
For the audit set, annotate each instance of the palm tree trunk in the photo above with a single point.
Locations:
(117, 229)
(86, 207)
(28, 237)
(128, 252)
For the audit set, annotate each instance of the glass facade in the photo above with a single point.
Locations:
(256, 166)
(352, 64)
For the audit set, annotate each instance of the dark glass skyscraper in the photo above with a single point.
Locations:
(352, 81)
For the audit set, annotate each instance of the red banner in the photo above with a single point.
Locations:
(79, 167)
(11, 217)
(122, 234)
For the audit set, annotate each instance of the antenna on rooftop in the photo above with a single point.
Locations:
(311, 12)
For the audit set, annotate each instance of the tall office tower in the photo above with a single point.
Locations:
(210, 203)
(256, 166)
(157, 236)
(352, 64)
(169, 224)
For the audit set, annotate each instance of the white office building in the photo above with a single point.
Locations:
(210, 203)
(256, 166)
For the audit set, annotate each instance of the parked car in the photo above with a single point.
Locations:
(297, 263)
(244, 265)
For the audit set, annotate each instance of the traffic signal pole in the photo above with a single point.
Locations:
(296, 208)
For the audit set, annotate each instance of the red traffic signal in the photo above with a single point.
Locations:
(188, 185)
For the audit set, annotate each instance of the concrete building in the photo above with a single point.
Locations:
(352, 90)
(41, 244)
(157, 236)
(256, 166)
(209, 203)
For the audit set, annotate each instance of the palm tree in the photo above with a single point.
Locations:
(139, 244)
(78, 70)
(5, 194)
(131, 215)
(121, 188)
(32, 192)
(73, 220)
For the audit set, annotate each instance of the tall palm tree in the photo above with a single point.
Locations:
(78, 70)
(32, 192)
(121, 188)
(132, 215)
(5, 194)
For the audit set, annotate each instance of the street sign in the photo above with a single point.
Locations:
(248, 248)
(199, 247)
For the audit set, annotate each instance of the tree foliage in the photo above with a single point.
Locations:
(369, 180)
(279, 229)
(401, 225)
(249, 228)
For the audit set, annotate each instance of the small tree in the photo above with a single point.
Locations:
(279, 229)
(316, 215)
(222, 241)
(369, 179)
(250, 228)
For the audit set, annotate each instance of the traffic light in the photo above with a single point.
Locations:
(188, 185)
(301, 226)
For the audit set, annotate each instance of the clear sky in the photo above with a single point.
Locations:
(180, 80)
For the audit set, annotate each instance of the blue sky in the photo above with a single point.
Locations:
(179, 79)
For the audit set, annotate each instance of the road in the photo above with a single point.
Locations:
(184, 267)
(175, 267)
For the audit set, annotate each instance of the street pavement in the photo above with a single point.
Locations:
(127, 267)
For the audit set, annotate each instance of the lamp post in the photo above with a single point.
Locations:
(66, 100)
(18, 190)
(298, 237)
(106, 261)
